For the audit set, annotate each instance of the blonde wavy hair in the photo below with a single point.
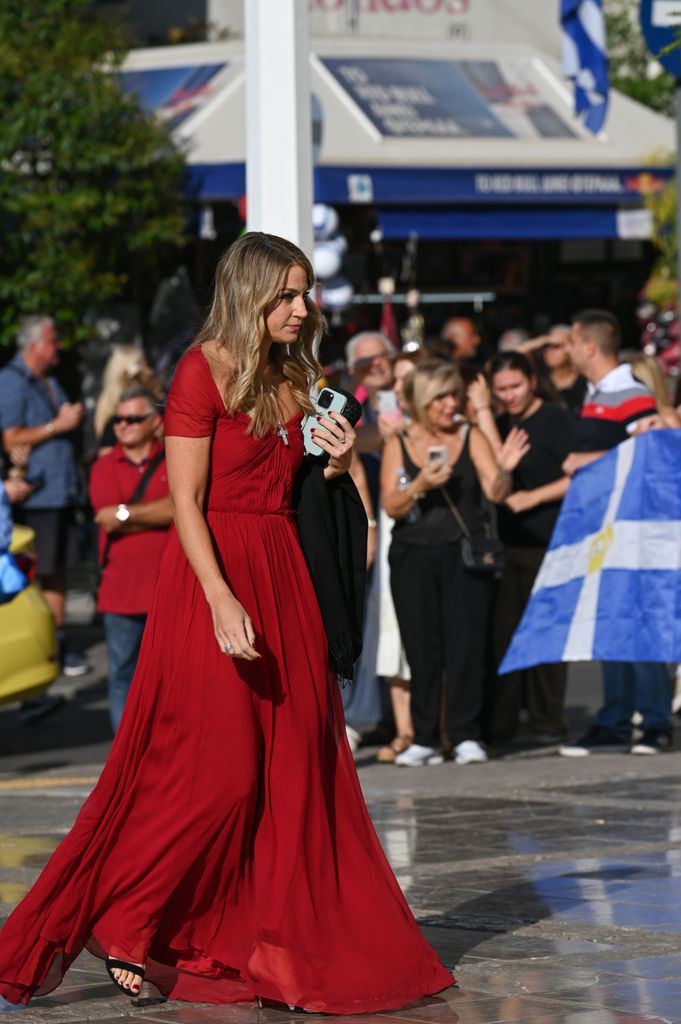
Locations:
(248, 279)
(427, 381)
(647, 369)
(126, 367)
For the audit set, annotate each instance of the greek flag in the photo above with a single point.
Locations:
(585, 59)
(609, 588)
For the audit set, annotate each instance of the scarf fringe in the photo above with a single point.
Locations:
(342, 656)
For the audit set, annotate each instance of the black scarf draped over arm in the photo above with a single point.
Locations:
(332, 525)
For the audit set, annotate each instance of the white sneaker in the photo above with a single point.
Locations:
(469, 752)
(417, 756)
(354, 738)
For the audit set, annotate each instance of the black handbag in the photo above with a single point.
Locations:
(480, 552)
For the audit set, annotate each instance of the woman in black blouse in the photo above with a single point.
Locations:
(442, 607)
(526, 521)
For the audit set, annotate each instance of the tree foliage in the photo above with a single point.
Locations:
(90, 185)
(629, 59)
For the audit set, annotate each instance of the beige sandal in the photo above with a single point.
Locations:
(387, 755)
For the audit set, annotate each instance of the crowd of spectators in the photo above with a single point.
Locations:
(543, 407)
(452, 446)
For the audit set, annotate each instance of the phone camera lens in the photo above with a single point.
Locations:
(325, 399)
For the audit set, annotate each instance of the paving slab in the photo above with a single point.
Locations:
(551, 886)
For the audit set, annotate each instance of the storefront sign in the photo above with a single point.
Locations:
(564, 185)
(436, 185)
(449, 98)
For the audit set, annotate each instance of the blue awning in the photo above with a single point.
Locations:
(214, 182)
(513, 222)
(412, 186)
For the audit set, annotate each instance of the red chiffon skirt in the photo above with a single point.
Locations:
(227, 844)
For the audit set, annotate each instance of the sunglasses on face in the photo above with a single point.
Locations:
(129, 419)
(554, 344)
(368, 361)
(445, 394)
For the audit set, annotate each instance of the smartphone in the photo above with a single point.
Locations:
(329, 400)
(437, 455)
(387, 403)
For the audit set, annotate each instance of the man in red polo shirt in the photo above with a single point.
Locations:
(131, 536)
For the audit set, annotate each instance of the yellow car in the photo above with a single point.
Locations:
(28, 638)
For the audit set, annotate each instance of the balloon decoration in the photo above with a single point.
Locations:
(335, 291)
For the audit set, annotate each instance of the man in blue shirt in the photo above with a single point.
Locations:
(34, 411)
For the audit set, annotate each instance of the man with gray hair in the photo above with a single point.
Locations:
(369, 356)
(129, 493)
(35, 412)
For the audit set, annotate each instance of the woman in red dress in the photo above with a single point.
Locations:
(226, 853)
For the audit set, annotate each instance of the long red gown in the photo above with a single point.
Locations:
(227, 843)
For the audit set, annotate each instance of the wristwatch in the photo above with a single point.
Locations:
(122, 513)
(50, 427)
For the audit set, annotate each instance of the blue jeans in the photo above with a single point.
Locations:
(123, 639)
(629, 686)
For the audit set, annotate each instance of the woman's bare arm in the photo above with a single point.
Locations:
(495, 482)
(399, 503)
(521, 501)
(187, 460)
(358, 474)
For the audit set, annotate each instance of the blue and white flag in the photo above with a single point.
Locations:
(585, 59)
(609, 588)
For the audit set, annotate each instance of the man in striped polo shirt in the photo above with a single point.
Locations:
(614, 401)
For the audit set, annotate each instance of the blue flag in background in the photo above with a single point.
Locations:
(585, 59)
(609, 588)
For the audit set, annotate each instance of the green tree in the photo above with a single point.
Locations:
(90, 185)
(629, 59)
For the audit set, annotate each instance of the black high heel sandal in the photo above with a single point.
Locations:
(122, 965)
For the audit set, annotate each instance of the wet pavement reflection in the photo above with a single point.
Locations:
(553, 891)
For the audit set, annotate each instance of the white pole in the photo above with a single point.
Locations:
(278, 120)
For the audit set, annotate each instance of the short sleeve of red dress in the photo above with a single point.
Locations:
(193, 403)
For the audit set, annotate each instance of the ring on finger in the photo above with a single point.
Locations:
(227, 648)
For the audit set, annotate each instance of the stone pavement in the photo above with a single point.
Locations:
(552, 887)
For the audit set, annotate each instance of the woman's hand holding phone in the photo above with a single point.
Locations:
(388, 425)
(432, 476)
(336, 436)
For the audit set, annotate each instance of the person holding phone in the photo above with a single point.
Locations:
(526, 521)
(441, 606)
(226, 853)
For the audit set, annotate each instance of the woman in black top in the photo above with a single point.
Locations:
(441, 606)
(526, 523)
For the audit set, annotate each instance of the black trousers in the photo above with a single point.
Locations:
(540, 689)
(442, 612)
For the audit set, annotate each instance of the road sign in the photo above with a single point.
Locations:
(661, 27)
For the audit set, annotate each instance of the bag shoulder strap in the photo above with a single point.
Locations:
(455, 512)
(403, 446)
(145, 479)
(445, 494)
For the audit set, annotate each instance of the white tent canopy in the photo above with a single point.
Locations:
(404, 123)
